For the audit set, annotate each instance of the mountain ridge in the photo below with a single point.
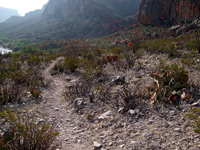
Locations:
(72, 19)
(6, 13)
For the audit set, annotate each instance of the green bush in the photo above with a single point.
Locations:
(70, 64)
(117, 50)
(91, 68)
(11, 92)
(192, 44)
(16, 77)
(25, 134)
(188, 58)
(162, 46)
(195, 116)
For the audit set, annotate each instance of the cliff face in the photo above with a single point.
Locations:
(86, 8)
(102, 13)
(167, 12)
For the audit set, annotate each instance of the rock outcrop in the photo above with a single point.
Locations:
(167, 12)
(87, 8)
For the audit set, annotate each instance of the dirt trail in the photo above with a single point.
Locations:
(141, 130)
(54, 108)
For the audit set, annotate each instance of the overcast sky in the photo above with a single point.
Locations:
(23, 6)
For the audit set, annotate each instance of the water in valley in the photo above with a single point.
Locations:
(5, 50)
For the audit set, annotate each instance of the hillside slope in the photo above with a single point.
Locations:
(72, 19)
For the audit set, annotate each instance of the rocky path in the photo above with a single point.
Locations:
(54, 108)
(133, 131)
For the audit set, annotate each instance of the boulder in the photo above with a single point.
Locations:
(167, 12)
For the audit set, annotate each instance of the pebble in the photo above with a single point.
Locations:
(40, 121)
(146, 134)
(121, 110)
(177, 129)
(79, 141)
(172, 113)
(150, 122)
(105, 115)
(166, 125)
(133, 142)
(115, 136)
(122, 145)
(132, 112)
(97, 145)
(196, 104)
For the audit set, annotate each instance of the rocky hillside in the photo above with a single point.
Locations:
(63, 19)
(167, 12)
(88, 8)
(6, 13)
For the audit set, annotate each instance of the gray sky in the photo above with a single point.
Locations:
(23, 6)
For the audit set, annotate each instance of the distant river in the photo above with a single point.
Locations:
(4, 50)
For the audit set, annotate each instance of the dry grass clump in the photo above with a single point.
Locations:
(25, 133)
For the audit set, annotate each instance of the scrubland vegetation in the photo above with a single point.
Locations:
(96, 62)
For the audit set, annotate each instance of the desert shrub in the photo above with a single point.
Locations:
(50, 56)
(195, 116)
(16, 78)
(127, 58)
(130, 59)
(35, 93)
(117, 50)
(11, 92)
(11, 82)
(139, 53)
(34, 60)
(188, 58)
(70, 64)
(130, 97)
(25, 134)
(97, 52)
(168, 84)
(79, 89)
(193, 44)
(103, 92)
(34, 79)
(59, 67)
(91, 67)
(161, 46)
